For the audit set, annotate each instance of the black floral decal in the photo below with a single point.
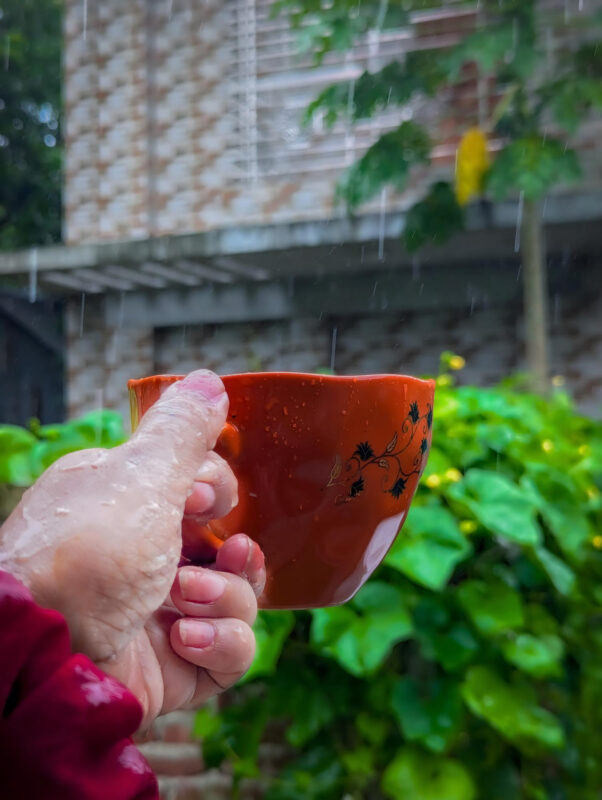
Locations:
(356, 487)
(364, 451)
(397, 489)
(414, 434)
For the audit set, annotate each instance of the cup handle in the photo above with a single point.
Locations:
(228, 442)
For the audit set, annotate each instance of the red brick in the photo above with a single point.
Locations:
(173, 758)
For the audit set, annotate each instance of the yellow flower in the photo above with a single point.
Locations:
(472, 162)
(592, 493)
(558, 380)
(547, 445)
(597, 542)
(457, 362)
(584, 450)
(443, 380)
(468, 526)
(433, 481)
(453, 475)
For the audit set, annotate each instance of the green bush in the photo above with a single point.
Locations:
(470, 666)
(26, 453)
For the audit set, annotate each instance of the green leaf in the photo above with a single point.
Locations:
(16, 445)
(538, 656)
(395, 84)
(557, 497)
(271, 629)
(487, 48)
(310, 714)
(429, 547)
(206, 723)
(373, 728)
(324, 27)
(561, 575)
(388, 161)
(493, 607)
(499, 505)
(360, 642)
(511, 709)
(428, 712)
(433, 220)
(413, 774)
(571, 99)
(532, 165)
(454, 648)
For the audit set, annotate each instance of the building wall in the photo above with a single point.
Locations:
(184, 116)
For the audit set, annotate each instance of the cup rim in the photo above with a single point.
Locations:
(133, 383)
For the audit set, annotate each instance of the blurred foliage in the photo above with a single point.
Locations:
(544, 97)
(389, 160)
(26, 453)
(471, 664)
(30, 131)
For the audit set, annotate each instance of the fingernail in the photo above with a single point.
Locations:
(201, 586)
(255, 569)
(196, 633)
(205, 383)
(244, 555)
(201, 499)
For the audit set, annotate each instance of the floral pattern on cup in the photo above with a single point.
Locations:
(413, 435)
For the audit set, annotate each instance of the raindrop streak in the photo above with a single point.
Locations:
(381, 225)
(121, 309)
(33, 275)
(85, 19)
(100, 405)
(556, 311)
(519, 221)
(333, 348)
(7, 52)
(169, 8)
(382, 13)
(82, 311)
(581, 4)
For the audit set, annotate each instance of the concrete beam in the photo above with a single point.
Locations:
(387, 291)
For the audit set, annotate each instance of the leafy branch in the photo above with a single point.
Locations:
(388, 161)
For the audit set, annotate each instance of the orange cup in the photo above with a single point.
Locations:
(327, 467)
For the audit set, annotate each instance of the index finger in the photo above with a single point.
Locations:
(178, 431)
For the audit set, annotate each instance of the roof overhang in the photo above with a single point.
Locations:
(198, 268)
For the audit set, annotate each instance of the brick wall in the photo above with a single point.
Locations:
(100, 359)
(175, 756)
(169, 131)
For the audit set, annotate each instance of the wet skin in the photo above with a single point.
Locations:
(99, 539)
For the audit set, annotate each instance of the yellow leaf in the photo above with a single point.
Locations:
(472, 162)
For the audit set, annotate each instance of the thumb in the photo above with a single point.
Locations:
(177, 432)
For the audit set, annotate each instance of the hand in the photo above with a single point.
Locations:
(99, 539)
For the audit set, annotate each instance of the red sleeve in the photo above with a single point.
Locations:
(65, 726)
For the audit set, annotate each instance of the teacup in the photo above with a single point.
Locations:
(327, 467)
